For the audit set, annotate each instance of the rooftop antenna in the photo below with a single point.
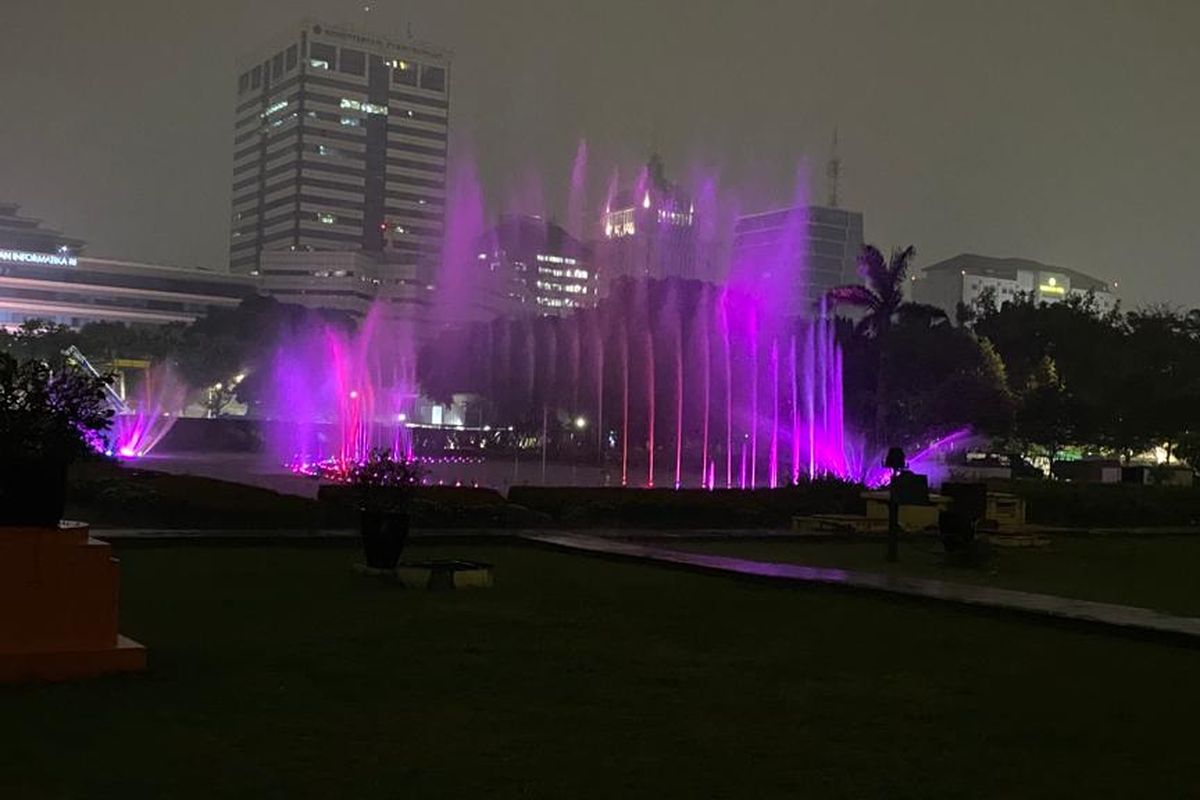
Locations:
(833, 171)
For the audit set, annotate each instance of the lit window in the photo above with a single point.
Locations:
(371, 108)
(328, 219)
(619, 223)
(322, 55)
(354, 105)
(404, 72)
(350, 122)
(274, 108)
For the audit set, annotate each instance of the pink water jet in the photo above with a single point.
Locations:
(154, 408)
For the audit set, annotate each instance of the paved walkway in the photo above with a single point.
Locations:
(1130, 619)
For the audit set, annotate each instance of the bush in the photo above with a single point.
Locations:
(688, 508)
(109, 495)
(1105, 505)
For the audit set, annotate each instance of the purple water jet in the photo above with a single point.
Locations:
(154, 408)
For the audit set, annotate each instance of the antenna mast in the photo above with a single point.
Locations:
(833, 171)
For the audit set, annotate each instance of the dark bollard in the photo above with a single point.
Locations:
(894, 461)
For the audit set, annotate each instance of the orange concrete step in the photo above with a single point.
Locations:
(59, 589)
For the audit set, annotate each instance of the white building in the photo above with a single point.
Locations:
(43, 275)
(964, 278)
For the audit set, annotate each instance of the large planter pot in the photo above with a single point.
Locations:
(383, 536)
(32, 492)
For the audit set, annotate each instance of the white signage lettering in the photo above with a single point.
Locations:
(51, 259)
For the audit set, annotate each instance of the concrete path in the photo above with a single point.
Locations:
(1130, 619)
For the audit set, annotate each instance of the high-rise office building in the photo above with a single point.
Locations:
(529, 265)
(648, 231)
(801, 251)
(340, 145)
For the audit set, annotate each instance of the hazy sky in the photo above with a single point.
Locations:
(1066, 131)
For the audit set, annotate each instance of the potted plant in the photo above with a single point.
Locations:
(48, 418)
(383, 487)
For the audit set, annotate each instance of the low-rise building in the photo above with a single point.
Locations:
(44, 276)
(965, 278)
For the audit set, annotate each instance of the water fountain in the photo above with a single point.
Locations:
(691, 384)
(150, 413)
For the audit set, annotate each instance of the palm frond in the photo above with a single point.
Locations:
(853, 295)
(873, 267)
(898, 268)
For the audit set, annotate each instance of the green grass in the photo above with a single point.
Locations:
(110, 495)
(1152, 571)
(277, 672)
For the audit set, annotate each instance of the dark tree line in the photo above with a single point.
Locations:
(1036, 378)
(210, 351)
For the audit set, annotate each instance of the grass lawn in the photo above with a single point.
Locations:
(1157, 572)
(277, 672)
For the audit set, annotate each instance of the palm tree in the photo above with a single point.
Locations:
(880, 294)
(881, 297)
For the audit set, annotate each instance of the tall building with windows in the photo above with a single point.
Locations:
(648, 231)
(803, 251)
(340, 145)
(529, 265)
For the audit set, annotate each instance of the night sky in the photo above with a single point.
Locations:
(1066, 131)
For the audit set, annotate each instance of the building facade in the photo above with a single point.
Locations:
(76, 290)
(648, 231)
(348, 280)
(533, 266)
(801, 252)
(23, 234)
(339, 145)
(44, 276)
(965, 278)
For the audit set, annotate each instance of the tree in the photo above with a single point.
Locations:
(943, 378)
(49, 414)
(882, 292)
(880, 298)
(1044, 414)
(214, 351)
(38, 339)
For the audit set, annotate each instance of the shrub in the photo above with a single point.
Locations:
(49, 415)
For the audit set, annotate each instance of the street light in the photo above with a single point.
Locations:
(580, 423)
